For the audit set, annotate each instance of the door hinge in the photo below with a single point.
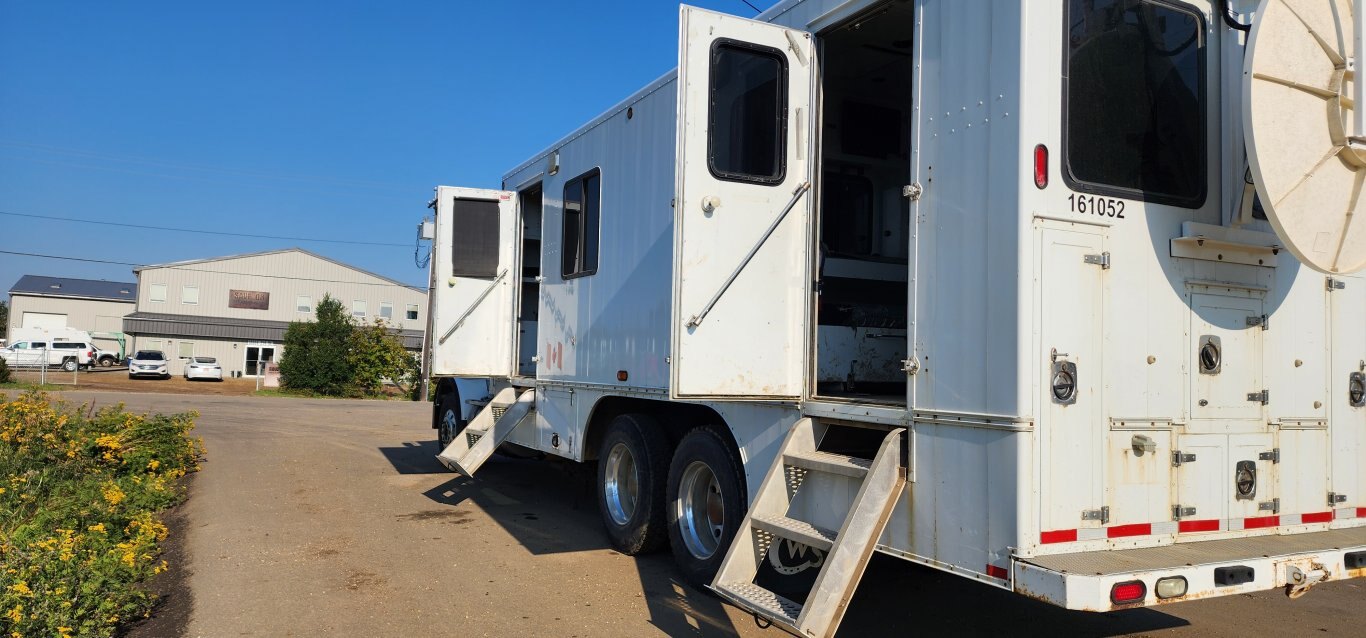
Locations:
(910, 366)
(1336, 284)
(1102, 515)
(1273, 506)
(912, 191)
(1334, 498)
(1179, 512)
(1263, 321)
(1102, 260)
(1263, 397)
(1179, 459)
(1274, 456)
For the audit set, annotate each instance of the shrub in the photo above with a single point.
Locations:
(78, 501)
(5, 375)
(315, 352)
(378, 354)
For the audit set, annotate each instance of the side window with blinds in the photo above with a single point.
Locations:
(474, 240)
(582, 205)
(747, 119)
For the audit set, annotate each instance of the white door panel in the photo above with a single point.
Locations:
(741, 266)
(44, 320)
(474, 305)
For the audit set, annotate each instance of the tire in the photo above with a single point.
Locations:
(448, 421)
(166, 376)
(70, 365)
(707, 503)
(633, 466)
(106, 362)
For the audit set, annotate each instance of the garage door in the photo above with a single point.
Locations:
(44, 320)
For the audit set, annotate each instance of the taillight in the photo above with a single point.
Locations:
(1041, 166)
(1128, 592)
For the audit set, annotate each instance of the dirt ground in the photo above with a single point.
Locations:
(331, 517)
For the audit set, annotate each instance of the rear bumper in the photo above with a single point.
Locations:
(1084, 580)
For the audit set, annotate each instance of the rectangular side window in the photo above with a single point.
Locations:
(747, 122)
(474, 241)
(189, 295)
(186, 349)
(304, 304)
(157, 293)
(1135, 118)
(386, 309)
(358, 308)
(582, 207)
(153, 344)
(412, 312)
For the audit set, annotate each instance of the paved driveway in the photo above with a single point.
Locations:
(322, 517)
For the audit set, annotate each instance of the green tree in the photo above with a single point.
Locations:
(4, 320)
(376, 354)
(315, 354)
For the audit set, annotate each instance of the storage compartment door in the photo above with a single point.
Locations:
(1347, 414)
(742, 258)
(473, 308)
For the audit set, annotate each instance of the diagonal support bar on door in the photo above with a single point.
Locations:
(696, 319)
(478, 300)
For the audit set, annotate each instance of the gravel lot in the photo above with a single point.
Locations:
(326, 517)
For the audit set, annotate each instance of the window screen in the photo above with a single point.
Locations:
(747, 125)
(157, 293)
(186, 349)
(189, 295)
(582, 203)
(358, 308)
(1135, 124)
(474, 245)
(386, 309)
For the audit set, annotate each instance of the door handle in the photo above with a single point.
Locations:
(710, 203)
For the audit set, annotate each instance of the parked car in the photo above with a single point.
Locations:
(70, 355)
(203, 368)
(106, 358)
(149, 363)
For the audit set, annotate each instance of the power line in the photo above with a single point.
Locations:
(756, 9)
(201, 232)
(205, 270)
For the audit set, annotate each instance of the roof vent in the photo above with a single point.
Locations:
(124, 292)
(55, 286)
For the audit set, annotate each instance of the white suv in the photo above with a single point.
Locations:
(70, 355)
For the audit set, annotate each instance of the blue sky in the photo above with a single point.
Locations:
(325, 120)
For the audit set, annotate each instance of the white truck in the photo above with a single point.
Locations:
(1063, 297)
(68, 348)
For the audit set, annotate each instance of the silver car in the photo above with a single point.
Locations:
(149, 363)
(203, 368)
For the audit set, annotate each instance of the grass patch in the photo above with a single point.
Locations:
(79, 498)
(396, 395)
(23, 386)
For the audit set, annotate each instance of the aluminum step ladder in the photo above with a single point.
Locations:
(847, 550)
(493, 425)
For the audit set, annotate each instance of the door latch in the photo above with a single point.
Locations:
(1179, 458)
(1179, 512)
(1102, 515)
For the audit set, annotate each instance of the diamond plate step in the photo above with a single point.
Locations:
(795, 530)
(829, 463)
(771, 605)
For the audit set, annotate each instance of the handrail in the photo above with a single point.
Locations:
(478, 300)
(696, 319)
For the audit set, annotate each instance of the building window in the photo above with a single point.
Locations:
(1134, 119)
(412, 312)
(386, 309)
(304, 304)
(157, 293)
(186, 349)
(189, 295)
(582, 201)
(152, 344)
(358, 308)
(747, 129)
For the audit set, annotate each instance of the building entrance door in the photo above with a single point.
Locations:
(258, 355)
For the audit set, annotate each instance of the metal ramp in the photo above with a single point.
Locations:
(477, 442)
(847, 550)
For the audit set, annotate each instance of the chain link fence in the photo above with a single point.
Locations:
(47, 366)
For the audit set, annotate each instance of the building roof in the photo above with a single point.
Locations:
(41, 285)
(188, 262)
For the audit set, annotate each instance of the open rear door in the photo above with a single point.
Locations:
(743, 212)
(474, 259)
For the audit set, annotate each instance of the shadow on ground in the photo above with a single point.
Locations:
(549, 507)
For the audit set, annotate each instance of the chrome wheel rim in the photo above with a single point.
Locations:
(701, 510)
(620, 484)
(449, 424)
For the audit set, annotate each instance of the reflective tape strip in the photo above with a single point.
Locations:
(1317, 517)
(1260, 522)
(1138, 529)
(998, 572)
(1189, 527)
(1058, 536)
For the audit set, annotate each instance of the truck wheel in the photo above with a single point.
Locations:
(633, 463)
(70, 365)
(448, 422)
(706, 499)
(106, 362)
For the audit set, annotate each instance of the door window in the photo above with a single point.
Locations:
(474, 238)
(747, 123)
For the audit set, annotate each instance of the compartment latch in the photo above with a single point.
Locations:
(1102, 515)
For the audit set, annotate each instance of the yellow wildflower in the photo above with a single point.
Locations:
(97, 527)
(113, 494)
(153, 464)
(16, 614)
(21, 588)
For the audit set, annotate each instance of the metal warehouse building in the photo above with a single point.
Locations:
(96, 306)
(236, 308)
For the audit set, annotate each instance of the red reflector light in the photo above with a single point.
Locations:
(1041, 166)
(1128, 592)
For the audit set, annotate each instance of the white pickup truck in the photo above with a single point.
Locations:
(70, 355)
